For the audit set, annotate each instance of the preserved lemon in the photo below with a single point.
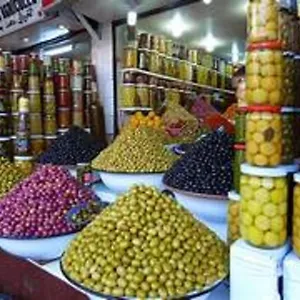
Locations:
(264, 212)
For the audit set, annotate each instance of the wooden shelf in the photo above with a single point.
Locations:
(206, 87)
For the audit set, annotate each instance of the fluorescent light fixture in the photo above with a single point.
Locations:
(210, 42)
(177, 26)
(58, 50)
(131, 18)
(207, 2)
(235, 54)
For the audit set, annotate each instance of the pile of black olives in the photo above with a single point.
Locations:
(76, 146)
(206, 168)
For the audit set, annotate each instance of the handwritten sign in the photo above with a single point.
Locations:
(17, 14)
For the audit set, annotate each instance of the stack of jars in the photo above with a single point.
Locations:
(22, 144)
(5, 141)
(89, 90)
(239, 158)
(64, 97)
(33, 87)
(49, 104)
(77, 93)
(263, 183)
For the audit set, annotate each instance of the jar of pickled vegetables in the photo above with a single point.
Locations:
(50, 125)
(263, 136)
(25, 163)
(263, 20)
(128, 95)
(297, 80)
(37, 144)
(202, 75)
(36, 124)
(35, 102)
(142, 94)
(185, 71)
(49, 104)
(4, 124)
(64, 118)
(130, 57)
(296, 216)
(240, 124)
(288, 80)
(264, 206)
(49, 140)
(285, 25)
(233, 217)
(153, 61)
(239, 159)
(288, 141)
(264, 70)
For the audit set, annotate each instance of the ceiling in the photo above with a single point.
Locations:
(225, 19)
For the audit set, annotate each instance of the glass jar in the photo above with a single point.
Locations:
(49, 86)
(49, 140)
(153, 61)
(4, 124)
(263, 136)
(288, 141)
(50, 126)
(143, 59)
(5, 147)
(285, 25)
(239, 159)
(162, 64)
(263, 21)
(22, 146)
(142, 94)
(64, 118)
(202, 75)
(233, 217)
(153, 97)
(64, 98)
(288, 80)
(297, 80)
(25, 163)
(296, 215)
(240, 124)
(264, 206)
(49, 104)
(144, 40)
(78, 118)
(168, 66)
(264, 73)
(76, 83)
(36, 125)
(37, 144)
(16, 82)
(14, 99)
(183, 69)
(78, 100)
(35, 102)
(130, 57)
(214, 78)
(129, 97)
(129, 77)
(33, 83)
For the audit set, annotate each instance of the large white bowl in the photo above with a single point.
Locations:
(37, 249)
(122, 182)
(208, 207)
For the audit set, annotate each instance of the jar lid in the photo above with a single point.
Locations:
(31, 92)
(62, 130)
(23, 158)
(48, 96)
(273, 45)
(77, 90)
(50, 137)
(64, 109)
(263, 172)
(287, 109)
(239, 147)
(126, 47)
(232, 195)
(297, 177)
(264, 108)
(36, 137)
(17, 91)
(293, 168)
(4, 114)
(242, 109)
(143, 49)
(4, 139)
(142, 85)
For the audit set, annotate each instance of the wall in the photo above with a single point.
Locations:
(102, 57)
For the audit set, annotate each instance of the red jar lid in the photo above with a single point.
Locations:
(273, 45)
(264, 108)
(242, 109)
(239, 147)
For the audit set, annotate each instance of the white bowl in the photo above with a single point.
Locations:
(37, 249)
(208, 207)
(122, 182)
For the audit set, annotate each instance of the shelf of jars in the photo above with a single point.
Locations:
(155, 69)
